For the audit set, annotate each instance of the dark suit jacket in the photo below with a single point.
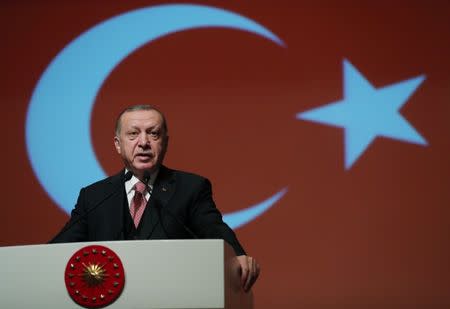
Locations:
(186, 199)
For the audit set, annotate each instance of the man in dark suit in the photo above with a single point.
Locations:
(180, 204)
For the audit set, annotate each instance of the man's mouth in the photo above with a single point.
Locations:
(144, 155)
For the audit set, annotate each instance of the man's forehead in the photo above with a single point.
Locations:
(142, 116)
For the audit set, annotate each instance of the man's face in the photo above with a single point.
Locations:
(141, 142)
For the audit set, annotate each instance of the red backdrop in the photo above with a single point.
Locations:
(373, 236)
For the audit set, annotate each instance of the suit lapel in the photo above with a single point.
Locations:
(114, 208)
(164, 186)
(163, 189)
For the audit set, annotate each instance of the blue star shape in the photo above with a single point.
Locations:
(367, 112)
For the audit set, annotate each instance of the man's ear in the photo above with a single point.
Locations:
(117, 144)
(164, 148)
(167, 141)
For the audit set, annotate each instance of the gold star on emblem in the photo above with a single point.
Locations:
(94, 274)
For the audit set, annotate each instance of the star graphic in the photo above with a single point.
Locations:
(367, 112)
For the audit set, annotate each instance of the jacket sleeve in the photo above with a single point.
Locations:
(76, 228)
(206, 220)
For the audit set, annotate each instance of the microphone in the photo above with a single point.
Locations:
(164, 209)
(125, 178)
(147, 176)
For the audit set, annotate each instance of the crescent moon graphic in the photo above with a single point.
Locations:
(60, 109)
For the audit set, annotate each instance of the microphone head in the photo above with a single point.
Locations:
(127, 176)
(146, 176)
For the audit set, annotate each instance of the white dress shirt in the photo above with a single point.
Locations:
(129, 186)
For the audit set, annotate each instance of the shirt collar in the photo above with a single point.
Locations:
(129, 185)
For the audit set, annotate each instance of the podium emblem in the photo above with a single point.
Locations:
(94, 276)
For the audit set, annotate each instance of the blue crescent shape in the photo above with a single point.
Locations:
(58, 120)
(244, 216)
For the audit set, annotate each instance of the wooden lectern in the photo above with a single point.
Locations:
(158, 274)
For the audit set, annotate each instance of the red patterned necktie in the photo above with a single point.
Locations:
(138, 203)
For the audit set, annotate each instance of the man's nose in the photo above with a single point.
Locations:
(143, 140)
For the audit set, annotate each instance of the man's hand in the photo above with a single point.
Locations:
(249, 271)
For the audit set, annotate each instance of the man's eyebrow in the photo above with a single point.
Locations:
(157, 126)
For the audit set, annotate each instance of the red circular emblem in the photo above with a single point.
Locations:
(94, 276)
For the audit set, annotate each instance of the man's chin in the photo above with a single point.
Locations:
(140, 169)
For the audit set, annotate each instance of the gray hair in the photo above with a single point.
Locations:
(141, 107)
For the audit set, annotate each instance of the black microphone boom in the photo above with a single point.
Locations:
(164, 209)
(126, 177)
